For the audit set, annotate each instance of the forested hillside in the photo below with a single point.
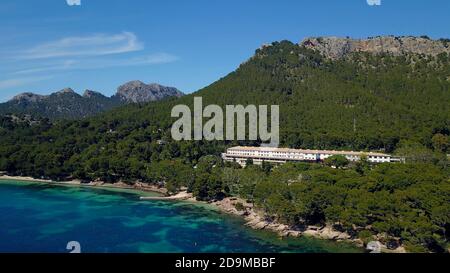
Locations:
(364, 101)
(361, 102)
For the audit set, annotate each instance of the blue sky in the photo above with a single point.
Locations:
(48, 45)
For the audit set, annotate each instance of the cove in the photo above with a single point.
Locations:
(44, 218)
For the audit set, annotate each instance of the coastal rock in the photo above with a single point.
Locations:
(290, 233)
(251, 222)
(329, 233)
(358, 242)
(326, 232)
(228, 205)
(281, 228)
(257, 224)
(260, 222)
(311, 233)
(374, 247)
(314, 228)
(343, 236)
(260, 225)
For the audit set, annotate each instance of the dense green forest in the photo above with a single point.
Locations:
(402, 203)
(363, 102)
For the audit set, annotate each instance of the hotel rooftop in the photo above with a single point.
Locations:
(241, 154)
(306, 151)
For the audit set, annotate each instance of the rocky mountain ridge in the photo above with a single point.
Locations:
(66, 103)
(337, 48)
(137, 92)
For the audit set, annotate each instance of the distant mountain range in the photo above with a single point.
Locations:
(68, 104)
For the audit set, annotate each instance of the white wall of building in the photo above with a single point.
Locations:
(259, 154)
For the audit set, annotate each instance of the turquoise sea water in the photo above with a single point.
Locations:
(44, 218)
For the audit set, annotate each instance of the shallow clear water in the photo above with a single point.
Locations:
(44, 218)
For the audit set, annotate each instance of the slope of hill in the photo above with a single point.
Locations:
(362, 100)
(70, 105)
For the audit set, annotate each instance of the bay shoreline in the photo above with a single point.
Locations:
(252, 217)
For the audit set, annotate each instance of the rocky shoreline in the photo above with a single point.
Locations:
(254, 219)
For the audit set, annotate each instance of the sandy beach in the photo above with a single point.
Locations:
(96, 184)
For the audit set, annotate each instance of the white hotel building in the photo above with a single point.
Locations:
(283, 155)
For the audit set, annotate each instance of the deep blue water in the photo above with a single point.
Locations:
(44, 218)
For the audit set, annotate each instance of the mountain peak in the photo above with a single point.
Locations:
(27, 97)
(337, 47)
(66, 103)
(66, 91)
(135, 83)
(139, 92)
(90, 94)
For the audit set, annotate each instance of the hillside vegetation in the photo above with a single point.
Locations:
(396, 104)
